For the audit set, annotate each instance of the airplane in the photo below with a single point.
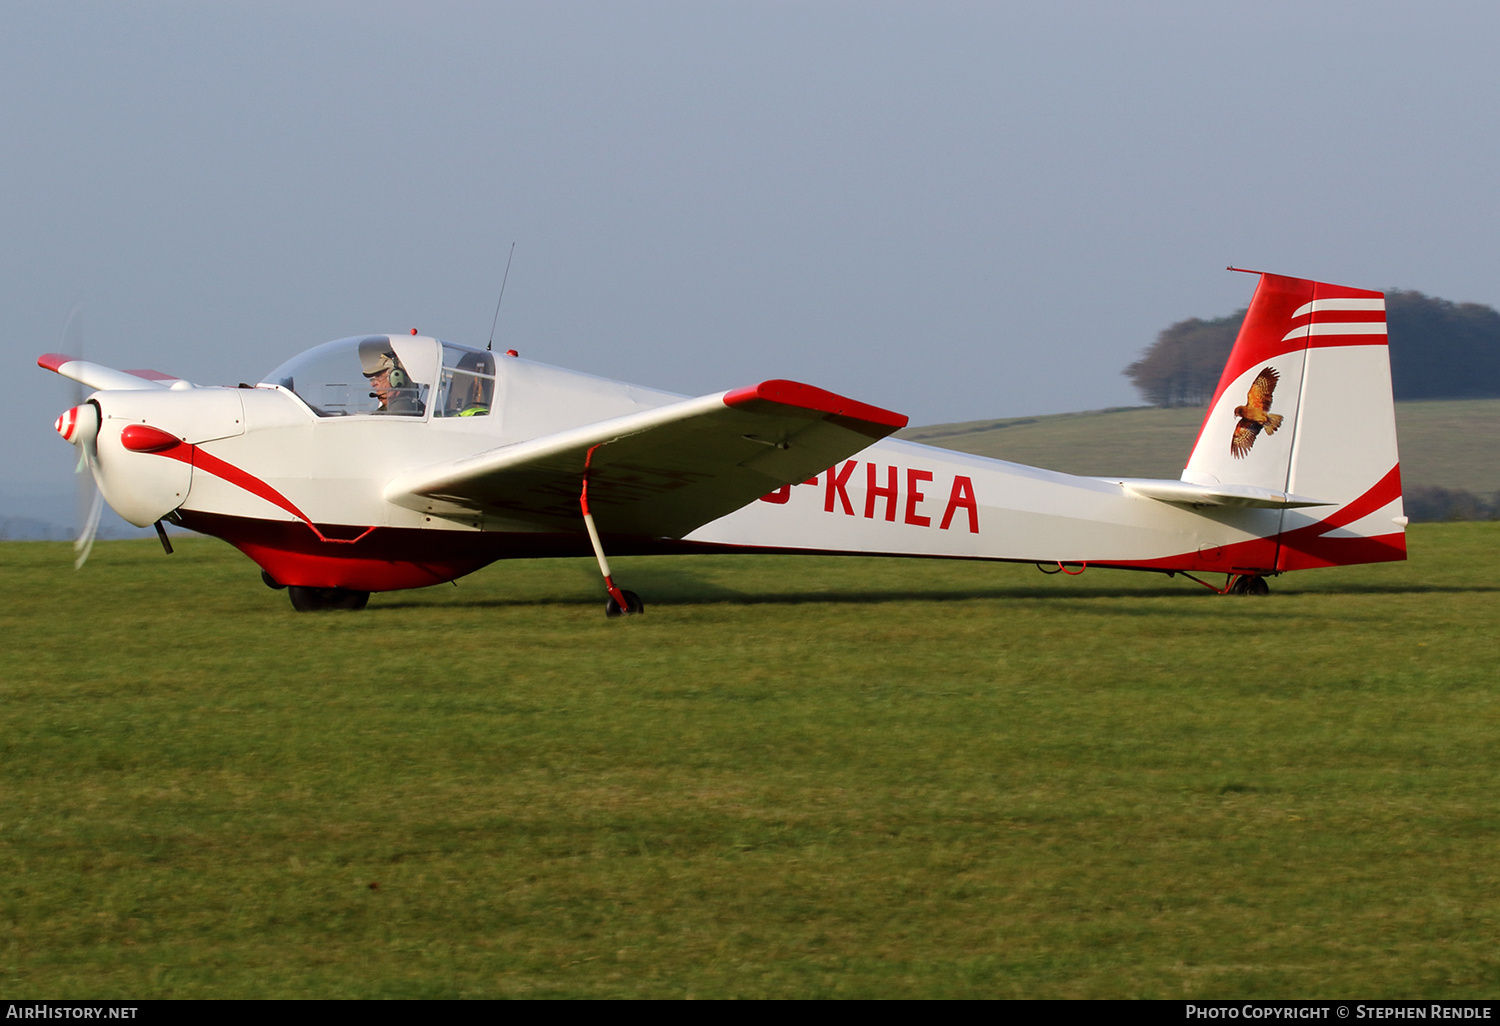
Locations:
(384, 462)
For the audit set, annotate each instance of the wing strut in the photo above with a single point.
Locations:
(620, 602)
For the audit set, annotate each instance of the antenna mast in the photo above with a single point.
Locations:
(490, 345)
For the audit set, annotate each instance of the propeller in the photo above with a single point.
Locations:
(80, 426)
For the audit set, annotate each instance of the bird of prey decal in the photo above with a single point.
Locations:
(1255, 414)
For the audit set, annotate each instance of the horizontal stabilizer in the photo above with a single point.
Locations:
(1182, 493)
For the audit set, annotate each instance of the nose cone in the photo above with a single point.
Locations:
(79, 425)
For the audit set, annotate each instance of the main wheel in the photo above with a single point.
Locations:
(633, 605)
(314, 600)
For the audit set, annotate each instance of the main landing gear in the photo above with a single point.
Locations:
(633, 605)
(621, 603)
(315, 600)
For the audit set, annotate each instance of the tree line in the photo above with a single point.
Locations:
(1439, 350)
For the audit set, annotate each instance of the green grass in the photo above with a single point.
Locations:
(792, 777)
(1445, 444)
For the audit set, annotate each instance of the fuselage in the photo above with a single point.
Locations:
(299, 487)
(383, 462)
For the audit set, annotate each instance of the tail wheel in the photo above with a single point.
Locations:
(1250, 584)
(633, 605)
(315, 600)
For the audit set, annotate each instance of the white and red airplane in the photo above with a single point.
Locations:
(383, 462)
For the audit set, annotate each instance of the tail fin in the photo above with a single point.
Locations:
(1315, 354)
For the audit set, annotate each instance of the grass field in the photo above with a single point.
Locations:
(1445, 444)
(792, 777)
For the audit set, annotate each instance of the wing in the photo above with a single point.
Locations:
(1263, 388)
(660, 473)
(102, 378)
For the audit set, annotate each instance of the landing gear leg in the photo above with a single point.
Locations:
(621, 603)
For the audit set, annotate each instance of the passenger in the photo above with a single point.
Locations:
(476, 402)
(469, 393)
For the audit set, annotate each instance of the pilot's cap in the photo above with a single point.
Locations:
(373, 361)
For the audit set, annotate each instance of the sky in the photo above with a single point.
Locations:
(953, 210)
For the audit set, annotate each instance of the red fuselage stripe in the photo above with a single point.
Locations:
(195, 457)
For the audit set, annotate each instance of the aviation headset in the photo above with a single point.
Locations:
(398, 377)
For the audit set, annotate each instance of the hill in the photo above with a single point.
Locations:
(1445, 444)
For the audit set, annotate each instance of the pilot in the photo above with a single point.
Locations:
(390, 384)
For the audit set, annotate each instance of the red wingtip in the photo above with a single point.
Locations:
(809, 397)
(53, 361)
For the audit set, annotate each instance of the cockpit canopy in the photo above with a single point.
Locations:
(390, 375)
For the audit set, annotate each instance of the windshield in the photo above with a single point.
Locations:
(372, 375)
